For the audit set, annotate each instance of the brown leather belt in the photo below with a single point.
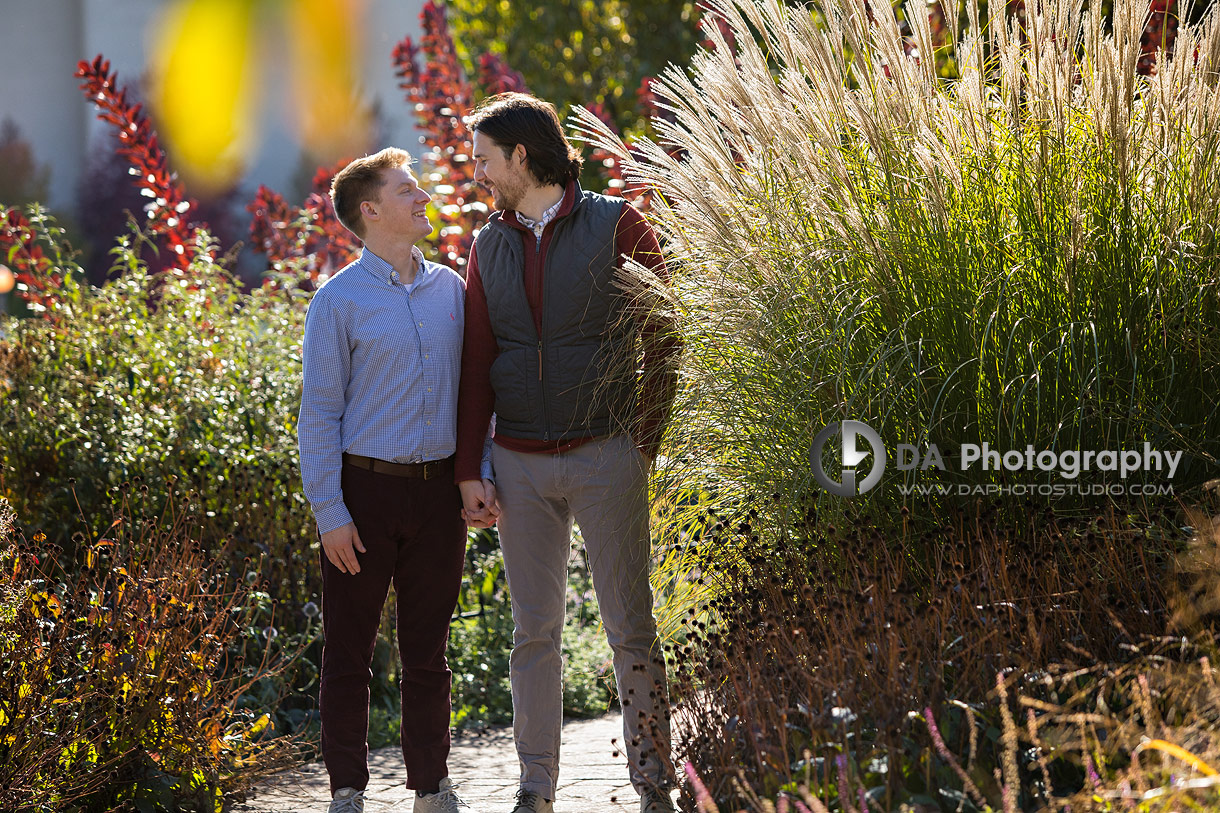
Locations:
(423, 471)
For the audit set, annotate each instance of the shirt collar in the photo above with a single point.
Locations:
(560, 209)
(384, 272)
(537, 226)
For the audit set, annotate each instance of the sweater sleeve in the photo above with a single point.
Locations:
(475, 399)
(659, 339)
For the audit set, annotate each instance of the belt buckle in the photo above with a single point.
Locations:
(429, 469)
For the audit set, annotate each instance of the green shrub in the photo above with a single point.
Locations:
(185, 380)
(185, 383)
(123, 671)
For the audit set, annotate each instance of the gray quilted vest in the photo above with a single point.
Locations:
(578, 378)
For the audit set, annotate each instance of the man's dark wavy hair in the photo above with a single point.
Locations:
(510, 119)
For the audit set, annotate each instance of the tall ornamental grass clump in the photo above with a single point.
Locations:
(1024, 254)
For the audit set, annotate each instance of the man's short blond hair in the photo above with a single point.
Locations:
(362, 180)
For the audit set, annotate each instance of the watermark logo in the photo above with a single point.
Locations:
(1071, 467)
(851, 456)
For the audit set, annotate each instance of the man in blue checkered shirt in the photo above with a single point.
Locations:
(377, 433)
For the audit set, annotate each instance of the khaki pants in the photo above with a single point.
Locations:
(603, 485)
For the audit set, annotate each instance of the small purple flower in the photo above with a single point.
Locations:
(1091, 772)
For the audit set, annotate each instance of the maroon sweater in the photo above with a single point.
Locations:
(633, 238)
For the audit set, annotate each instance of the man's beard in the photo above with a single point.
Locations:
(508, 198)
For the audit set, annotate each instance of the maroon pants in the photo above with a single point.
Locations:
(415, 537)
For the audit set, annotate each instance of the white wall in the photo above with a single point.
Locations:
(40, 44)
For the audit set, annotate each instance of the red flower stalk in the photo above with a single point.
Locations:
(168, 207)
(442, 98)
(616, 184)
(35, 272)
(273, 226)
(496, 77)
(329, 239)
(608, 164)
(311, 230)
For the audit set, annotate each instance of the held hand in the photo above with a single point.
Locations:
(479, 506)
(340, 547)
(493, 502)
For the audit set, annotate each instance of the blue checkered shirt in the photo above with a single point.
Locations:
(382, 360)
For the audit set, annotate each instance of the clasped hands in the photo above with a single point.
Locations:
(480, 508)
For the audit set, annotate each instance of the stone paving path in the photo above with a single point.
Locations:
(592, 777)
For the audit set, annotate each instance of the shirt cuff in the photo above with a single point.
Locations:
(331, 515)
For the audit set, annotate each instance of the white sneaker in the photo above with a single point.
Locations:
(530, 802)
(444, 800)
(347, 800)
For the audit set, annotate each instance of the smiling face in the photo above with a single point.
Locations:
(506, 176)
(401, 211)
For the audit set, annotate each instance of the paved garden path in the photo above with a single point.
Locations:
(592, 779)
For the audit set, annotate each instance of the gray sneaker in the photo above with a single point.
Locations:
(656, 801)
(347, 800)
(530, 802)
(444, 800)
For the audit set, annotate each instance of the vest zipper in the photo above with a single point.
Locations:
(541, 260)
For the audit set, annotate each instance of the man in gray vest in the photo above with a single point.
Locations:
(552, 348)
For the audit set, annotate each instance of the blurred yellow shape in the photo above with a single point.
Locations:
(327, 52)
(1179, 752)
(202, 88)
